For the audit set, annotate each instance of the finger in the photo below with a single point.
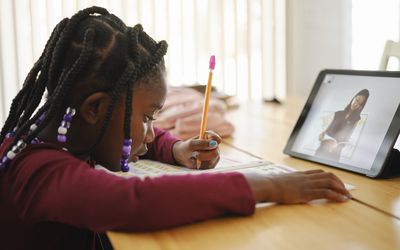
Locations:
(341, 184)
(211, 135)
(331, 184)
(327, 194)
(314, 171)
(209, 164)
(321, 175)
(193, 160)
(204, 159)
(197, 144)
(209, 155)
(334, 178)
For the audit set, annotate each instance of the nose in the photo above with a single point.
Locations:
(149, 137)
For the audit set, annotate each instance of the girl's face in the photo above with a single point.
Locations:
(147, 99)
(357, 102)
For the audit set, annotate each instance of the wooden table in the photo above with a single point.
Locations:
(371, 222)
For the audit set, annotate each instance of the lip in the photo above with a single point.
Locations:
(142, 153)
(135, 158)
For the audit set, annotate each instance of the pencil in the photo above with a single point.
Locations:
(206, 102)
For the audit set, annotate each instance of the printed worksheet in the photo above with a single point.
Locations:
(149, 168)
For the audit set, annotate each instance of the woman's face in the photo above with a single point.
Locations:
(147, 99)
(357, 102)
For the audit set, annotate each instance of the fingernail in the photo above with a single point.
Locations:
(195, 154)
(345, 198)
(212, 144)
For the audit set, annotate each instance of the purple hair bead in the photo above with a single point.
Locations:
(127, 142)
(40, 119)
(65, 125)
(125, 168)
(61, 138)
(67, 118)
(42, 116)
(126, 151)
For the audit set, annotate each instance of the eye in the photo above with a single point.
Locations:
(148, 118)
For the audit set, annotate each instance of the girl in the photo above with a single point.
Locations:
(105, 83)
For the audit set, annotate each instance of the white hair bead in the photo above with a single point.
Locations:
(62, 130)
(10, 155)
(33, 127)
(70, 111)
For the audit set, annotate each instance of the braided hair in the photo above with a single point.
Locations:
(92, 45)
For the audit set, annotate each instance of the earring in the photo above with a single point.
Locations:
(126, 151)
(65, 124)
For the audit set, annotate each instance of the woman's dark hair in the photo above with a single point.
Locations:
(92, 46)
(355, 115)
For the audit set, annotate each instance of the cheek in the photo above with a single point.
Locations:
(138, 132)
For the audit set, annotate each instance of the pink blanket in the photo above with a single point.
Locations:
(182, 110)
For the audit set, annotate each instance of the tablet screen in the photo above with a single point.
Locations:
(347, 119)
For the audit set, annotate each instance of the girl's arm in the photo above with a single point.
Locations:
(51, 185)
(161, 148)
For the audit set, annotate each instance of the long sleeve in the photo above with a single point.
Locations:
(46, 184)
(161, 148)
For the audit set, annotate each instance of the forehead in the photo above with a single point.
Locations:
(360, 97)
(151, 91)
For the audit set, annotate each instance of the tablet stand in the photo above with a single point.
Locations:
(392, 166)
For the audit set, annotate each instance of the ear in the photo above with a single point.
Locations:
(94, 108)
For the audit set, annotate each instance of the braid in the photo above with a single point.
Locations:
(115, 22)
(17, 105)
(58, 96)
(65, 85)
(134, 39)
(63, 42)
(128, 111)
(25, 95)
(33, 100)
(155, 59)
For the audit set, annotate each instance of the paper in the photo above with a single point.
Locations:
(149, 168)
(144, 168)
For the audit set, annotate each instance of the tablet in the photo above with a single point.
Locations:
(351, 121)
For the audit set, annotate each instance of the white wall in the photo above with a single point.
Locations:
(318, 37)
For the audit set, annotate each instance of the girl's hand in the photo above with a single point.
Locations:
(186, 153)
(297, 187)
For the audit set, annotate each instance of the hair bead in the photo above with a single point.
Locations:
(65, 124)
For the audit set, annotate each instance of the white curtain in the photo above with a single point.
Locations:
(247, 38)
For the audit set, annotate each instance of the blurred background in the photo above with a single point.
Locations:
(264, 49)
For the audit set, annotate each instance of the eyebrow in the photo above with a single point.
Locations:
(157, 105)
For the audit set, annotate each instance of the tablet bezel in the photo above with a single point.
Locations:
(388, 141)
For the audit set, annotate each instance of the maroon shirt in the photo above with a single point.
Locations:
(51, 200)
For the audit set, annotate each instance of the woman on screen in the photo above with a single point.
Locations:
(336, 136)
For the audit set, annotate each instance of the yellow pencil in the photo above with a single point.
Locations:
(206, 102)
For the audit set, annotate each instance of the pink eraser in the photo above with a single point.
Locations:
(212, 62)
